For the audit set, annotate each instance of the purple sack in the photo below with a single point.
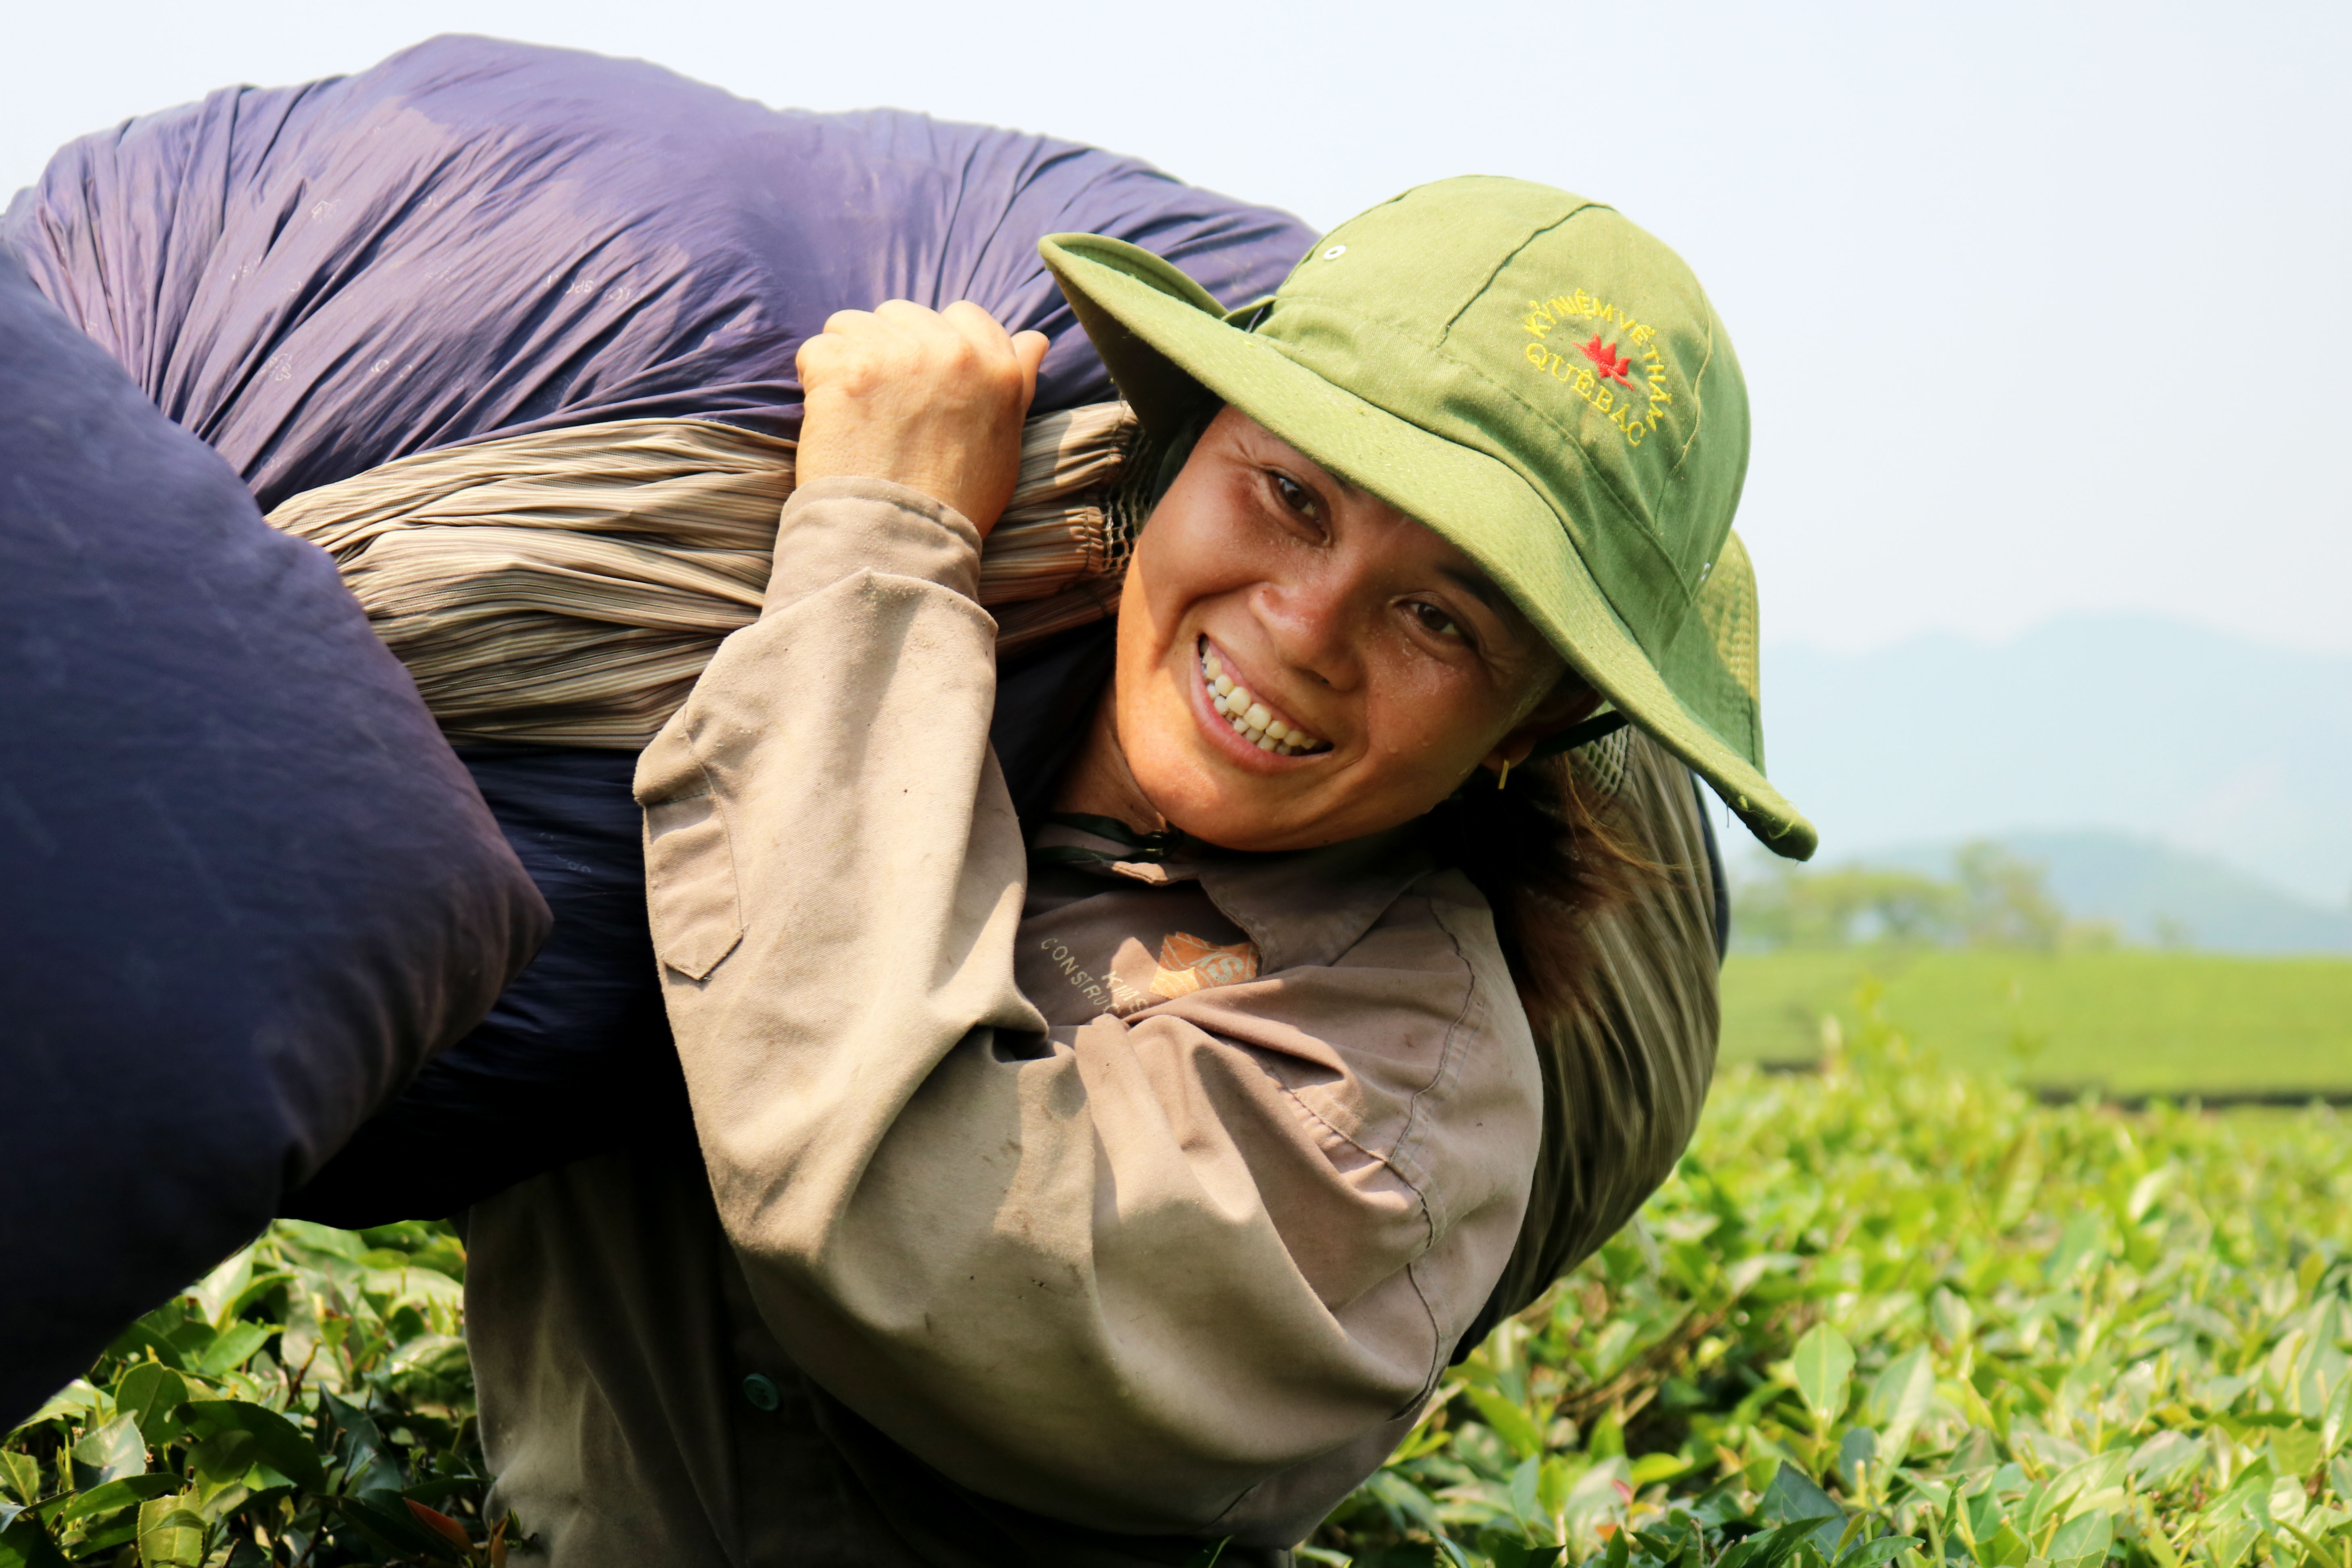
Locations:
(476, 238)
(245, 888)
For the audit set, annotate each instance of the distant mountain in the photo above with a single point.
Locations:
(2122, 725)
(2156, 894)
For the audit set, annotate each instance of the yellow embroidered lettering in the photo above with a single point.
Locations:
(1623, 405)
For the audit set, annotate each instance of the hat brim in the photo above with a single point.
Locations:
(1172, 352)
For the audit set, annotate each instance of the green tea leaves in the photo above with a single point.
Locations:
(1822, 1365)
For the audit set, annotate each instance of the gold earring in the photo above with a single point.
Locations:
(1505, 776)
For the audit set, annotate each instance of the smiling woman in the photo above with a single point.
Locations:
(1301, 663)
(1098, 1181)
(1173, 914)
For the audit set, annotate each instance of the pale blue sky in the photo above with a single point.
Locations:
(2042, 307)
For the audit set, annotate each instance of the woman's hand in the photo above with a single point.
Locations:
(929, 399)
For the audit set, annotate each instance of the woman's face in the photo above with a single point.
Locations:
(1372, 665)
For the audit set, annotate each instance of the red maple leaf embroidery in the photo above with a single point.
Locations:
(1612, 365)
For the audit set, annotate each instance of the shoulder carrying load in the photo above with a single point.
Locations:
(566, 587)
(531, 383)
(480, 242)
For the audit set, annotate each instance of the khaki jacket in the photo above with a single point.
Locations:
(1153, 1199)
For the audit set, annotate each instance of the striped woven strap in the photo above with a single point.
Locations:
(567, 587)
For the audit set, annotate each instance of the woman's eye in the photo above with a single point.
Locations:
(1435, 621)
(1293, 494)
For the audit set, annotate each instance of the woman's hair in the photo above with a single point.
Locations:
(1541, 849)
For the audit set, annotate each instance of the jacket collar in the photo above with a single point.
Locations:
(1303, 907)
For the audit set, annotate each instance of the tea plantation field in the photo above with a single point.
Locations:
(1889, 1314)
(2134, 1021)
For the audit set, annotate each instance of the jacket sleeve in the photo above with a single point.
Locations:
(1192, 1268)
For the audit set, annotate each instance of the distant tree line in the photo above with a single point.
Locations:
(1994, 899)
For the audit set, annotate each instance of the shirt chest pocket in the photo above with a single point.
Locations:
(691, 892)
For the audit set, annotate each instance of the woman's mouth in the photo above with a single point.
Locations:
(1247, 712)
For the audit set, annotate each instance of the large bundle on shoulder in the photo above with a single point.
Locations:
(566, 588)
(510, 331)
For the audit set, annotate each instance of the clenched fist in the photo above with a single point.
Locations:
(929, 399)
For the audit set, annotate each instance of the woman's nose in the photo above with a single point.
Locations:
(1315, 622)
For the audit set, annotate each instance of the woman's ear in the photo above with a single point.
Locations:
(1569, 702)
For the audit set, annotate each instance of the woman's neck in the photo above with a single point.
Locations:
(1098, 782)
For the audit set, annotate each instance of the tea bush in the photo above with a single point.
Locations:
(309, 1402)
(1996, 1332)
(1886, 1315)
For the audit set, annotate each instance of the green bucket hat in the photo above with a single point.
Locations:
(1535, 378)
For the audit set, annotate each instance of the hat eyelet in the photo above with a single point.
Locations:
(1336, 252)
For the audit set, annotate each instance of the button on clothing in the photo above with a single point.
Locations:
(1150, 1198)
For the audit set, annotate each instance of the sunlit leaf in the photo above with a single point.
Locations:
(2086, 1535)
(20, 1477)
(110, 1452)
(171, 1534)
(1870, 1553)
(1823, 1365)
(151, 1395)
(2294, 1451)
(98, 1501)
(76, 1398)
(230, 1347)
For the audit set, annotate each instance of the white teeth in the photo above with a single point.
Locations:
(1251, 718)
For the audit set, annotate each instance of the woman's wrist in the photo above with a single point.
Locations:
(838, 527)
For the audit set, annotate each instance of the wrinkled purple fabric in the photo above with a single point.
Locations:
(476, 238)
(245, 889)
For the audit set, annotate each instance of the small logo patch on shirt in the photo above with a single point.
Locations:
(1188, 963)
